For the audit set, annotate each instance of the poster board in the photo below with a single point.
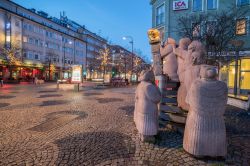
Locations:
(76, 74)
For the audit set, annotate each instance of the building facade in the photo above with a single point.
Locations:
(44, 46)
(165, 16)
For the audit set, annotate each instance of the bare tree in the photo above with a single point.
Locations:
(216, 30)
(105, 57)
(49, 61)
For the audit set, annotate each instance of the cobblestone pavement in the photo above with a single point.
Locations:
(42, 126)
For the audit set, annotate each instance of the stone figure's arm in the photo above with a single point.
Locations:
(153, 93)
(164, 51)
(179, 53)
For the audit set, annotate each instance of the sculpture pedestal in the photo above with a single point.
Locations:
(170, 113)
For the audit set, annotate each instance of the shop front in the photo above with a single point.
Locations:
(228, 74)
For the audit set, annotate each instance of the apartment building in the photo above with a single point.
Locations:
(47, 47)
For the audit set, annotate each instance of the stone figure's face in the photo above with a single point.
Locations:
(147, 75)
(154, 36)
(196, 46)
(197, 58)
(184, 43)
(208, 72)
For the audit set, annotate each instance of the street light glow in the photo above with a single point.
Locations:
(7, 38)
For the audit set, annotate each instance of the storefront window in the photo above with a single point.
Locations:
(245, 74)
(245, 64)
(231, 74)
(245, 80)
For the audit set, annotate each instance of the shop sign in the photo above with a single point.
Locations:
(180, 4)
(76, 74)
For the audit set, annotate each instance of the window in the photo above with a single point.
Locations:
(17, 23)
(31, 40)
(30, 55)
(31, 28)
(40, 43)
(211, 4)
(160, 15)
(25, 40)
(36, 56)
(25, 26)
(243, 2)
(241, 27)
(36, 42)
(197, 5)
(24, 55)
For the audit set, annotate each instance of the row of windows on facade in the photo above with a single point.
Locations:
(44, 23)
(241, 27)
(36, 56)
(41, 30)
(197, 6)
(51, 45)
(52, 35)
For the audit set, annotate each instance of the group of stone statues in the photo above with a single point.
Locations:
(200, 93)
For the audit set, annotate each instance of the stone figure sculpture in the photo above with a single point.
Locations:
(205, 133)
(169, 60)
(154, 40)
(146, 111)
(182, 52)
(195, 58)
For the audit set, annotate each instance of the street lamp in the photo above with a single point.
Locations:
(237, 45)
(132, 44)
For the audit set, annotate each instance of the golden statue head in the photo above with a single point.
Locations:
(154, 36)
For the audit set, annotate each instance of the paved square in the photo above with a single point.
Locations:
(42, 126)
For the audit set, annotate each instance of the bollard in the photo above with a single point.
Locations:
(1, 82)
(57, 85)
(77, 87)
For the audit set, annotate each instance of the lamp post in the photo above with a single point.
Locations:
(86, 58)
(132, 44)
(237, 45)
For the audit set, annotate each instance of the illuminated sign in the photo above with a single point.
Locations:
(76, 74)
(180, 4)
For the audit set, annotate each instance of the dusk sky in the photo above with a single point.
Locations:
(109, 18)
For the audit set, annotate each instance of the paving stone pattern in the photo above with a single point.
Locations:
(96, 128)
